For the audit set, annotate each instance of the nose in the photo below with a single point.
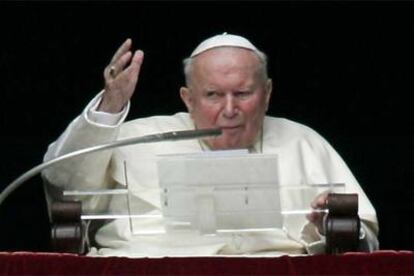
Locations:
(230, 107)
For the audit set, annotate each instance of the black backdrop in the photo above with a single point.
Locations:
(343, 68)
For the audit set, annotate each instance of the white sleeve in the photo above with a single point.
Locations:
(329, 167)
(88, 129)
(104, 118)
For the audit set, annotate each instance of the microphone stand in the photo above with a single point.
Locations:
(159, 137)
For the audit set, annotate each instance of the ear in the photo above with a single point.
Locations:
(186, 97)
(269, 88)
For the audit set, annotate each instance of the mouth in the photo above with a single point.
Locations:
(229, 127)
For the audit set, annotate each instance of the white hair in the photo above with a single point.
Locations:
(188, 65)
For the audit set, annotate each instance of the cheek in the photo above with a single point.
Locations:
(254, 109)
(205, 115)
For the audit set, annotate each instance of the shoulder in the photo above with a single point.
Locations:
(282, 131)
(155, 124)
(288, 127)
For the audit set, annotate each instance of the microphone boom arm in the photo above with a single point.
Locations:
(159, 137)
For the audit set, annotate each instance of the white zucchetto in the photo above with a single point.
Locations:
(222, 40)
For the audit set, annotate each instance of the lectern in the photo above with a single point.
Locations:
(229, 191)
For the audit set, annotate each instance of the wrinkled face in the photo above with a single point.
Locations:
(227, 91)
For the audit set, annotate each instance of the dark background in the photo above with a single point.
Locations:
(343, 68)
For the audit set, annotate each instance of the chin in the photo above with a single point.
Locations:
(224, 145)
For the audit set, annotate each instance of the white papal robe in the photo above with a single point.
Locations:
(304, 158)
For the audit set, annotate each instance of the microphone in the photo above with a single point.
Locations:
(159, 137)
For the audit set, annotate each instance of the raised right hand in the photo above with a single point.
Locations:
(121, 76)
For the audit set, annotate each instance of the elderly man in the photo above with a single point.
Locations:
(227, 87)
